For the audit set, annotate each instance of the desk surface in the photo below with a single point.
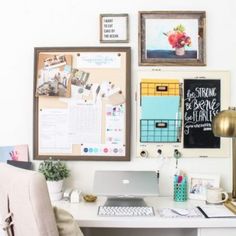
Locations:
(86, 215)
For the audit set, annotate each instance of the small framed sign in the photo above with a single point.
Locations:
(114, 28)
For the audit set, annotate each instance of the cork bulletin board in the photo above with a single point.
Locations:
(82, 103)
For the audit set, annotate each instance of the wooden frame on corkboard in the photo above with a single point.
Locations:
(82, 103)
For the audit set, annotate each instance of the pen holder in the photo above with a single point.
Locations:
(180, 190)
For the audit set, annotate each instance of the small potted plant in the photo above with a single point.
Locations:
(55, 172)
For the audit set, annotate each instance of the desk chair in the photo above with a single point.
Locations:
(25, 207)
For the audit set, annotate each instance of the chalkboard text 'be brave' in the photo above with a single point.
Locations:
(201, 106)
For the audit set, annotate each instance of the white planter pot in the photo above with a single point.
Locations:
(55, 189)
(55, 196)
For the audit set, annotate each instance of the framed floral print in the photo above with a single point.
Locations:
(172, 38)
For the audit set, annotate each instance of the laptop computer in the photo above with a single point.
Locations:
(126, 183)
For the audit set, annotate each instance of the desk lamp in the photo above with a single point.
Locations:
(224, 125)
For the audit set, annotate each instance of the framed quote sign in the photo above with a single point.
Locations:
(114, 28)
(82, 103)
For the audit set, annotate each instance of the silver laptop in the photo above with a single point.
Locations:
(126, 183)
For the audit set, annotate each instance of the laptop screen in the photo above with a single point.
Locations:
(126, 183)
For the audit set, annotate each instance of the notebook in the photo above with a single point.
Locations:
(216, 211)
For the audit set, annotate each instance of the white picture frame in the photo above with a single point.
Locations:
(114, 28)
(198, 183)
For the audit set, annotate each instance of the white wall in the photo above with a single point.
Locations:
(26, 24)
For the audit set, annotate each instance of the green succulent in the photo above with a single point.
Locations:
(54, 170)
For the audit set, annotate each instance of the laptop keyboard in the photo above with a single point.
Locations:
(125, 211)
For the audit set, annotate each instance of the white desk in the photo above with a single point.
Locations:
(86, 215)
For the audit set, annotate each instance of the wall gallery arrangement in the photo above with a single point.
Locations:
(82, 95)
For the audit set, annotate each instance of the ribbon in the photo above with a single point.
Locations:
(7, 224)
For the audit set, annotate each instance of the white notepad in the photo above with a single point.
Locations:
(216, 211)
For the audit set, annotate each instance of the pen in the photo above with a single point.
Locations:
(176, 178)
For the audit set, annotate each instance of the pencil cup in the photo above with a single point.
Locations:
(180, 189)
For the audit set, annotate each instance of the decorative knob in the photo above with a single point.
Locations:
(144, 153)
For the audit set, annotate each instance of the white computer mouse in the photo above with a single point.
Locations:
(180, 211)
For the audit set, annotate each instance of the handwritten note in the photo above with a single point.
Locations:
(201, 104)
(53, 131)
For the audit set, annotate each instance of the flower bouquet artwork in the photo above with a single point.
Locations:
(178, 39)
(172, 38)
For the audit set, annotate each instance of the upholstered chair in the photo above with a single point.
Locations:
(25, 207)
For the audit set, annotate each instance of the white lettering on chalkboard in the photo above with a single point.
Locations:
(201, 106)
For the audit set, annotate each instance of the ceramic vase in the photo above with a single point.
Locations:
(180, 51)
(55, 190)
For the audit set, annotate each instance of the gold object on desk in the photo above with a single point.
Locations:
(230, 206)
(224, 125)
(90, 198)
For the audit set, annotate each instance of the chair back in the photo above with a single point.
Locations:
(24, 201)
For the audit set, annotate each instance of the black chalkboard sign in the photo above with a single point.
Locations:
(201, 104)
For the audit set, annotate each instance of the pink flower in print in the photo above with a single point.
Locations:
(14, 155)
